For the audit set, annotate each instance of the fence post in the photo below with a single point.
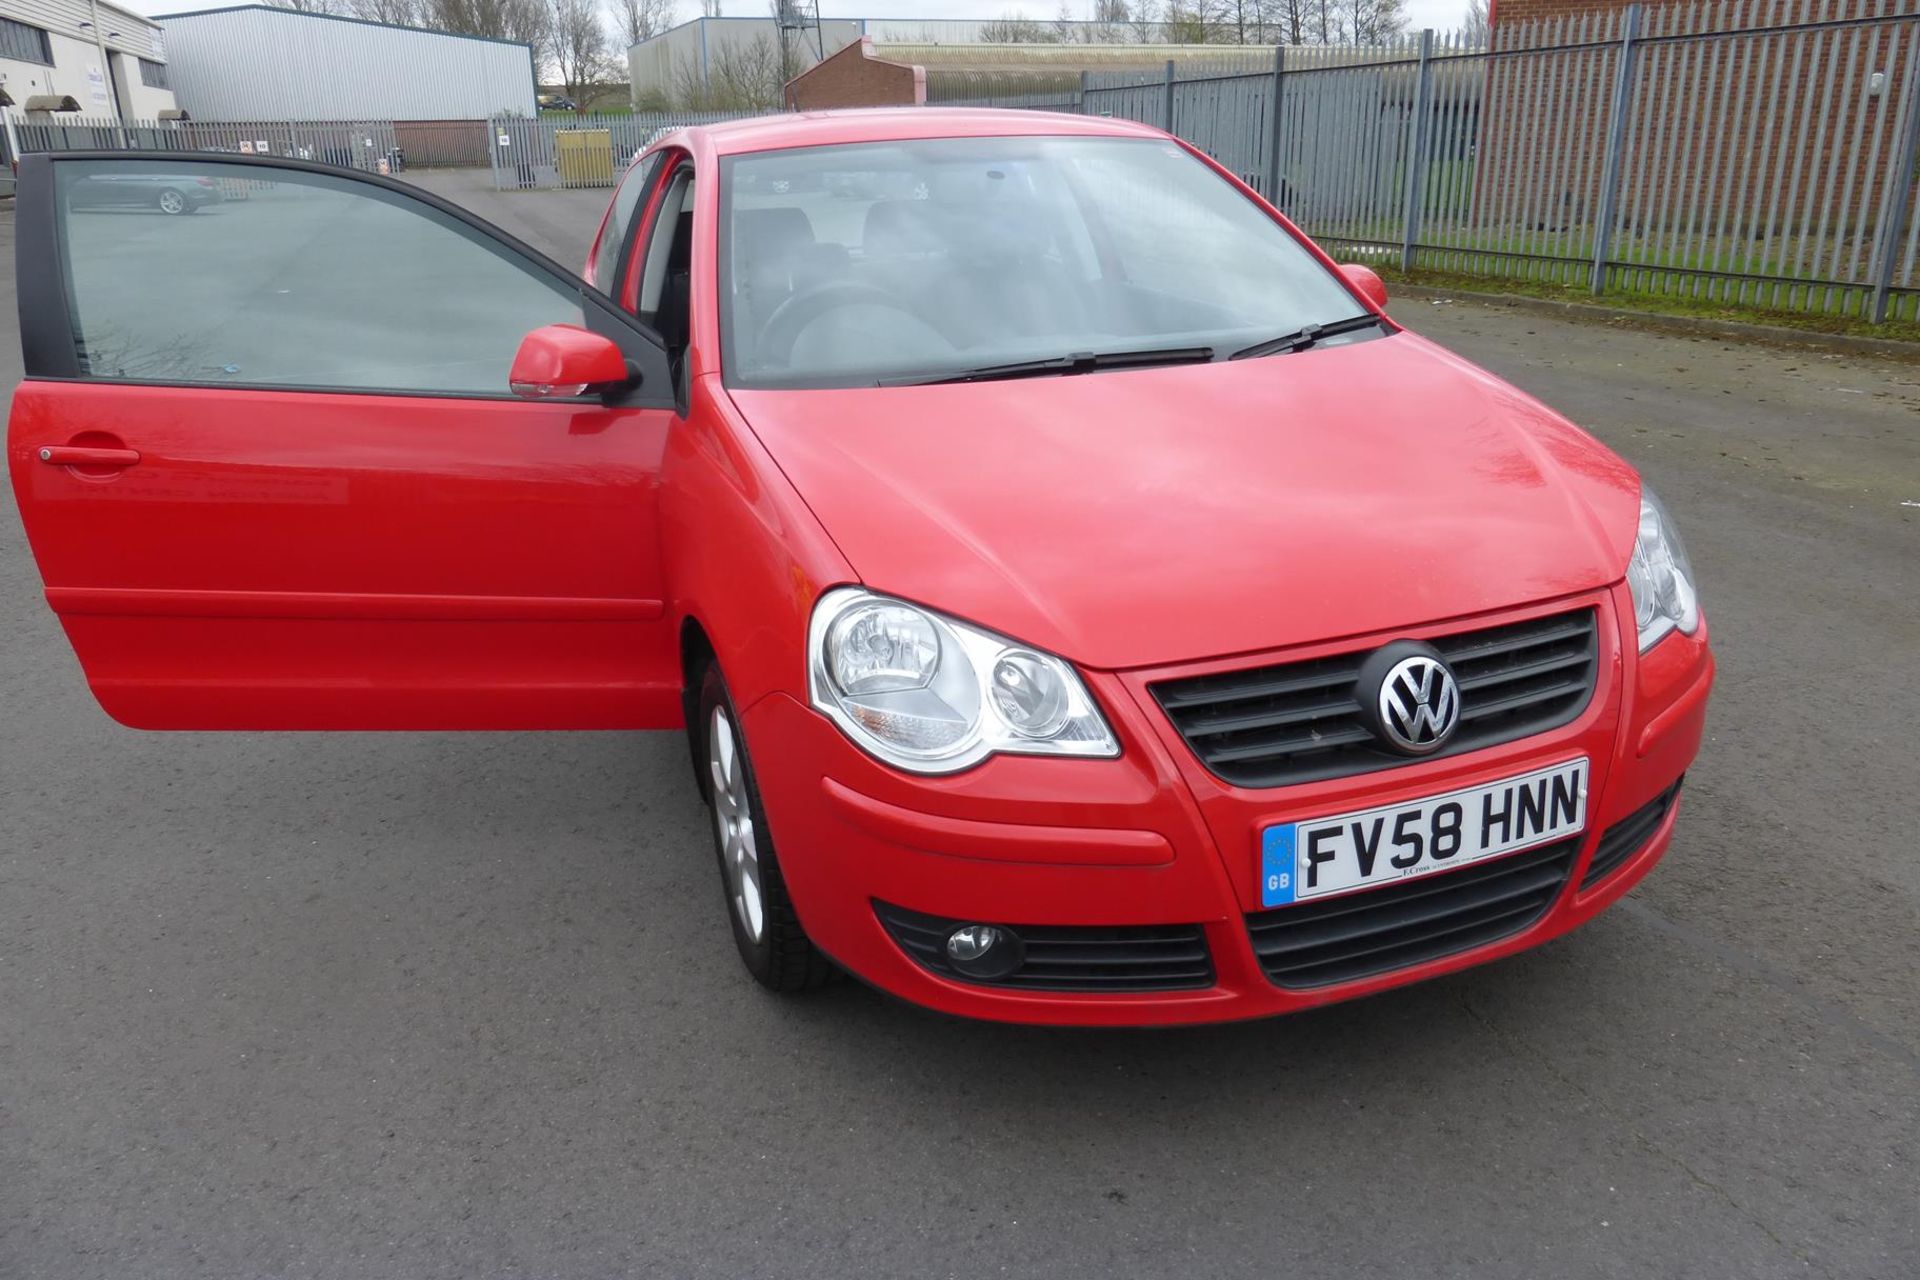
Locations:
(1274, 146)
(1894, 205)
(1166, 105)
(1616, 147)
(1417, 153)
(1082, 106)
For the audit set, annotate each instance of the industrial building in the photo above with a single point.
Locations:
(715, 62)
(678, 66)
(76, 56)
(253, 62)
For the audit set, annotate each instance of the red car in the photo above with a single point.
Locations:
(1083, 604)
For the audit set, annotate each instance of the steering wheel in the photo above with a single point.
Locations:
(791, 317)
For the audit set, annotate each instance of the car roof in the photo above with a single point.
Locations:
(886, 124)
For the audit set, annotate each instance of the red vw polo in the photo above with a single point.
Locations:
(1083, 604)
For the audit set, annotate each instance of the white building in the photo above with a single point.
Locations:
(51, 59)
(703, 51)
(253, 62)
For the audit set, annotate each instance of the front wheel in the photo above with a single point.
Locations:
(772, 944)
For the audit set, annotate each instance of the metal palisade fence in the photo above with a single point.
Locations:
(570, 151)
(1759, 152)
(358, 144)
(579, 151)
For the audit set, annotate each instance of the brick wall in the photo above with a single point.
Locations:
(853, 77)
(442, 142)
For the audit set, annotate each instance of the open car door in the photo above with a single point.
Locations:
(276, 472)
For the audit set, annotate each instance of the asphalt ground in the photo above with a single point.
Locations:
(442, 1005)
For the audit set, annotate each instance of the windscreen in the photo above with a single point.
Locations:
(885, 261)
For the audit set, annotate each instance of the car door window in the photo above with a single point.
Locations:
(621, 216)
(675, 205)
(182, 271)
(665, 294)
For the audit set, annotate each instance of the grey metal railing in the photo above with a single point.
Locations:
(1756, 152)
(522, 152)
(579, 151)
(359, 144)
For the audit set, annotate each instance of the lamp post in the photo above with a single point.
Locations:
(106, 68)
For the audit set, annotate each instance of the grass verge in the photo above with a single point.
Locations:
(1657, 304)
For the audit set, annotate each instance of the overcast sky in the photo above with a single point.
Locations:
(1441, 15)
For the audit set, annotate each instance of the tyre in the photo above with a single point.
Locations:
(773, 946)
(172, 202)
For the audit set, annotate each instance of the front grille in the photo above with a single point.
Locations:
(1628, 836)
(1316, 944)
(1070, 957)
(1301, 721)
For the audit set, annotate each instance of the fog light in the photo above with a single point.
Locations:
(971, 941)
(983, 951)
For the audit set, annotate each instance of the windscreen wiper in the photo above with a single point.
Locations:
(1076, 362)
(1305, 336)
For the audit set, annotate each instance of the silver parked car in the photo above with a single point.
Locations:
(168, 193)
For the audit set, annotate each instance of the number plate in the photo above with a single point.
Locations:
(1301, 861)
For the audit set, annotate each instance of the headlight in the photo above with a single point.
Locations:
(1659, 577)
(930, 694)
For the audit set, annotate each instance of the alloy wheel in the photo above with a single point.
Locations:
(733, 823)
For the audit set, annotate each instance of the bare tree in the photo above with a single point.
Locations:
(738, 75)
(1146, 21)
(1372, 21)
(1013, 27)
(1065, 30)
(1474, 28)
(1282, 21)
(577, 45)
(523, 20)
(709, 8)
(744, 75)
(308, 6)
(642, 19)
(1182, 22)
(1110, 21)
(689, 90)
(398, 13)
(1200, 21)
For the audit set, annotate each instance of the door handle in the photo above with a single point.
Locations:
(70, 455)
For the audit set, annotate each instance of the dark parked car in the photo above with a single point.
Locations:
(169, 193)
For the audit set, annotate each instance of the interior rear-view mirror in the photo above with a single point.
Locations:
(561, 361)
(1367, 281)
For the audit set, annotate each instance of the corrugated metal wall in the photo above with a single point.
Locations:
(131, 33)
(274, 64)
(658, 65)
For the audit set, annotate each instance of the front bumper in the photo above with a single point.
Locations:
(1153, 839)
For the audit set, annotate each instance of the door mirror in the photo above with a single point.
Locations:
(1367, 281)
(561, 361)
